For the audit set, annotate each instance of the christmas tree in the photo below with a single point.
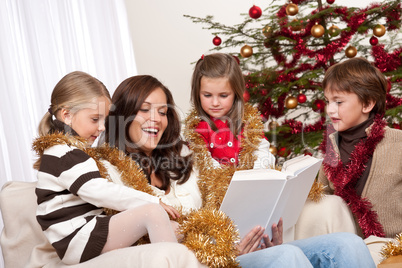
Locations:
(285, 50)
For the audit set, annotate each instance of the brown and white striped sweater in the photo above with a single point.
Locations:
(71, 194)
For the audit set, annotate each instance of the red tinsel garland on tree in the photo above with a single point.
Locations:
(291, 68)
(386, 62)
(344, 178)
(297, 126)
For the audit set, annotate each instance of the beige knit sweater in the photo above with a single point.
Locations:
(384, 183)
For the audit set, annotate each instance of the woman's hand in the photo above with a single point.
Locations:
(277, 236)
(170, 210)
(251, 241)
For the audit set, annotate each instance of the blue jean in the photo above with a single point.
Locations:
(326, 251)
(278, 256)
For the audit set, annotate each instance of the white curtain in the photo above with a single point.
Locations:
(41, 41)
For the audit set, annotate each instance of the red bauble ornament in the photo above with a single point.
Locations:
(217, 40)
(255, 12)
(264, 92)
(283, 151)
(396, 126)
(237, 59)
(330, 1)
(373, 41)
(319, 105)
(301, 98)
(389, 86)
(307, 152)
(246, 96)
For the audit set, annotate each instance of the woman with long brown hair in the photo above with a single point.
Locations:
(144, 124)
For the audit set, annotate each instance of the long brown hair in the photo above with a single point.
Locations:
(220, 65)
(166, 160)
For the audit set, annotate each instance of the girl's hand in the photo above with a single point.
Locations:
(277, 236)
(170, 210)
(251, 241)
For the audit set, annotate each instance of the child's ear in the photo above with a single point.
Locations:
(66, 116)
(368, 107)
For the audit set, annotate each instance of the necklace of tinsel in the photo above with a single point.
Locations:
(345, 178)
(209, 233)
(213, 182)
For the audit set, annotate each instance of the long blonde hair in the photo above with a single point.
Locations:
(73, 92)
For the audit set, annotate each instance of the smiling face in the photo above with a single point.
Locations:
(90, 122)
(216, 96)
(150, 122)
(345, 109)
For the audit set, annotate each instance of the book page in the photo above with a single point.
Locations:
(251, 202)
(258, 174)
(296, 192)
(262, 196)
(298, 164)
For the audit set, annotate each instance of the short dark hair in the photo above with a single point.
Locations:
(359, 76)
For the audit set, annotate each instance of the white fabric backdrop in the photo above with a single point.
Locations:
(41, 41)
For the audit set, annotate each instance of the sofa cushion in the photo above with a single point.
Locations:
(24, 244)
(22, 234)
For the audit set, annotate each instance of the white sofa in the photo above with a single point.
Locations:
(24, 245)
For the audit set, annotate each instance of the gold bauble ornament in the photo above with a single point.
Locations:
(267, 31)
(350, 51)
(296, 25)
(379, 30)
(291, 102)
(334, 30)
(246, 51)
(317, 30)
(273, 150)
(273, 125)
(292, 9)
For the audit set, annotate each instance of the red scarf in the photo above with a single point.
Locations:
(345, 178)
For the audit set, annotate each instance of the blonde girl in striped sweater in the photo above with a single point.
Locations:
(71, 191)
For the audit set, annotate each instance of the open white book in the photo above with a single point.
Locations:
(262, 196)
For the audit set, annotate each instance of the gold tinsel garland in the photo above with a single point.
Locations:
(43, 142)
(316, 192)
(130, 172)
(211, 235)
(213, 182)
(392, 248)
(198, 227)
